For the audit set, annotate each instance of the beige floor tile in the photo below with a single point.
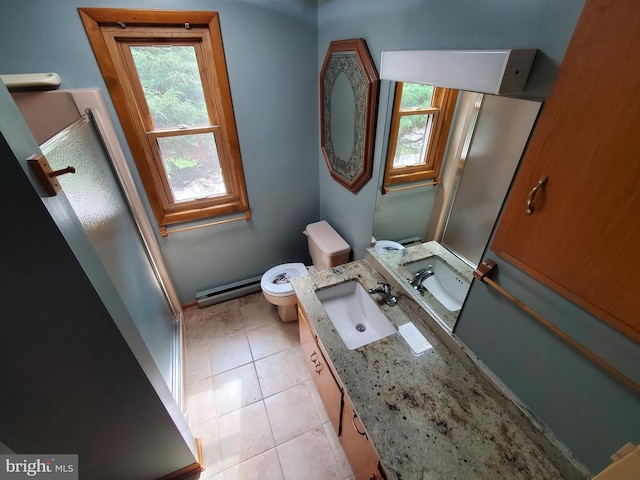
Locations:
(190, 313)
(265, 466)
(197, 364)
(301, 360)
(220, 476)
(209, 436)
(280, 371)
(200, 402)
(223, 319)
(237, 351)
(236, 388)
(194, 326)
(309, 457)
(341, 459)
(269, 339)
(317, 401)
(244, 433)
(229, 352)
(291, 413)
(257, 312)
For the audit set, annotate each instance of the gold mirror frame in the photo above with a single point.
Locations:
(352, 58)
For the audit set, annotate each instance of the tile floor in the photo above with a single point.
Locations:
(251, 399)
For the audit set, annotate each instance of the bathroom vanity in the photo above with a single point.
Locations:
(437, 415)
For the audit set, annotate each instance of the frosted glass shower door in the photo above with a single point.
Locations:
(95, 195)
(500, 135)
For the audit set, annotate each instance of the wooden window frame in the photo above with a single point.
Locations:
(442, 107)
(109, 32)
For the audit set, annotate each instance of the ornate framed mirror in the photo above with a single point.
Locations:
(349, 86)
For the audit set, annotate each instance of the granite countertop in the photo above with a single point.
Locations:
(431, 416)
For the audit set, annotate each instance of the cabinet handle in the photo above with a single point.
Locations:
(532, 195)
(353, 421)
(314, 357)
(318, 367)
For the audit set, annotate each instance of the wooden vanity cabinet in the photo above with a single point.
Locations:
(327, 386)
(582, 238)
(362, 456)
(359, 450)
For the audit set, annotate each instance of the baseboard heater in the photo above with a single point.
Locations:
(228, 292)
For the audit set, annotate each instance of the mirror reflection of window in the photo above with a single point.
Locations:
(420, 125)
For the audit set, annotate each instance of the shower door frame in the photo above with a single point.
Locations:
(92, 100)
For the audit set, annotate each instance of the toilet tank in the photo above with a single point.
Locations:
(326, 247)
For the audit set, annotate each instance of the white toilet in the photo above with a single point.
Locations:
(327, 250)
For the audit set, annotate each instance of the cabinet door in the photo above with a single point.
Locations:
(328, 388)
(583, 237)
(360, 452)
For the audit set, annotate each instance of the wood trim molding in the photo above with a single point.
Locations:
(189, 471)
(97, 19)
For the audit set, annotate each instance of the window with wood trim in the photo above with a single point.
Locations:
(167, 77)
(418, 135)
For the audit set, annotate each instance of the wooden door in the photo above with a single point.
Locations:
(583, 237)
(328, 388)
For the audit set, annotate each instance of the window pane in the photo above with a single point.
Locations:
(413, 136)
(415, 95)
(192, 165)
(172, 85)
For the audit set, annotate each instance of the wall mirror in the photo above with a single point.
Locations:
(487, 138)
(348, 106)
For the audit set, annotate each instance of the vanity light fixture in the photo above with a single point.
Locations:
(486, 71)
(44, 81)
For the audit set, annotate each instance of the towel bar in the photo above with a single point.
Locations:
(488, 266)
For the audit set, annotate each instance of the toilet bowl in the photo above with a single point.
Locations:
(386, 246)
(277, 289)
(327, 249)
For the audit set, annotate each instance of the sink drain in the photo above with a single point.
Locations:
(361, 327)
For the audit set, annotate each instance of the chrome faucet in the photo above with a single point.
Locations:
(420, 276)
(384, 289)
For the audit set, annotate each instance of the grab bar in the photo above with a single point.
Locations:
(488, 266)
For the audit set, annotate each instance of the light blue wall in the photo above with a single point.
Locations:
(592, 413)
(271, 51)
(589, 410)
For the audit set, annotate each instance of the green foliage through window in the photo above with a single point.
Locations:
(172, 85)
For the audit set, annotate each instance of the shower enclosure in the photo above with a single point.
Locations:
(74, 129)
(95, 195)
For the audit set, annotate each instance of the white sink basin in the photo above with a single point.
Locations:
(446, 285)
(356, 316)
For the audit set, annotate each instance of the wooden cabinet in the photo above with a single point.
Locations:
(357, 447)
(583, 237)
(327, 386)
(360, 452)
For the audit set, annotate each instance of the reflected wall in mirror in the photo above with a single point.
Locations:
(348, 102)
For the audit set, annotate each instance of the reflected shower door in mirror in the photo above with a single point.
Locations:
(487, 137)
(499, 129)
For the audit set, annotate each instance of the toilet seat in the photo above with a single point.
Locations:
(276, 280)
(385, 246)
